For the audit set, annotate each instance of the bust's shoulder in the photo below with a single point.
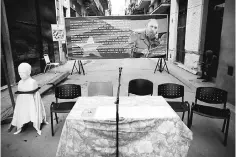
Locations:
(27, 85)
(34, 82)
(31, 82)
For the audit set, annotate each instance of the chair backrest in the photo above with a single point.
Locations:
(67, 91)
(140, 87)
(100, 88)
(171, 90)
(211, 95)
(46, 58)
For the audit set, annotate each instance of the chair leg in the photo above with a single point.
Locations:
(188, 116)
(56, 117)
(190, 120)
(52, 123)
(223, 128)
(226, 132)
(183, 116)
(45, 68)
(49, 67)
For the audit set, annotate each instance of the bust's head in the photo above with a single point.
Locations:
(24, 70)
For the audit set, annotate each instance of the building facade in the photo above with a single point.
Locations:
(26, 35)
(77, 8)
(196, 26)
(26, 32)
(199, 25)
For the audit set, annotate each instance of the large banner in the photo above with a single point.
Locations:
(113, 37)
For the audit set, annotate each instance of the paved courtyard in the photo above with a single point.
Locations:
(207, 135)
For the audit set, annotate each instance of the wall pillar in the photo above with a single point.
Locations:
(203, 31)
(193, 36)
(61, 21)
(226, 69)
(7, 45)
(173, 24)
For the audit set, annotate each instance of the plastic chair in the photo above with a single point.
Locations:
(212, 95)
(174, 91)
(65, 91)
(140, 87)
(48, 62)
(100, 88)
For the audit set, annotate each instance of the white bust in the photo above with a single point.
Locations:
(29, 107)
(26, 83)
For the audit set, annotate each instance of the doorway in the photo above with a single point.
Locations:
(213, 29)
(180, 54)
(72, 13)
(3, 77)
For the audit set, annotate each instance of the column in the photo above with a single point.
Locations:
(7, 45)
(173, 23)
(193, 36)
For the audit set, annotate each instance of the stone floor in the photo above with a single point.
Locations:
(207, 136)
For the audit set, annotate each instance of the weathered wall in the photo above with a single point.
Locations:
(193, 34)
(203, 32)
(173, 22)
(227, 52)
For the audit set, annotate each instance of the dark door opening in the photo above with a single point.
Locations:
(180, 54)
(72, 13)
(213, 29)
(3, 77)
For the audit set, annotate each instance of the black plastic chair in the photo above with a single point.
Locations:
(174, 91)
(100, 88)
(212, 95)
(65, 91)
(140, 87)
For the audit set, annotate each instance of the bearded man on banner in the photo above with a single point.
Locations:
(144, 41)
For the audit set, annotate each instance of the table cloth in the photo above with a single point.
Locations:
(84, 134)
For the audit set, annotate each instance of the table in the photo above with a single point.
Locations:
(84, 134)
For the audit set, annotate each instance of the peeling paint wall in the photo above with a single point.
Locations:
(193, 25)
(193, 31)
(227, 52)
(173, 23)
(191, 61)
